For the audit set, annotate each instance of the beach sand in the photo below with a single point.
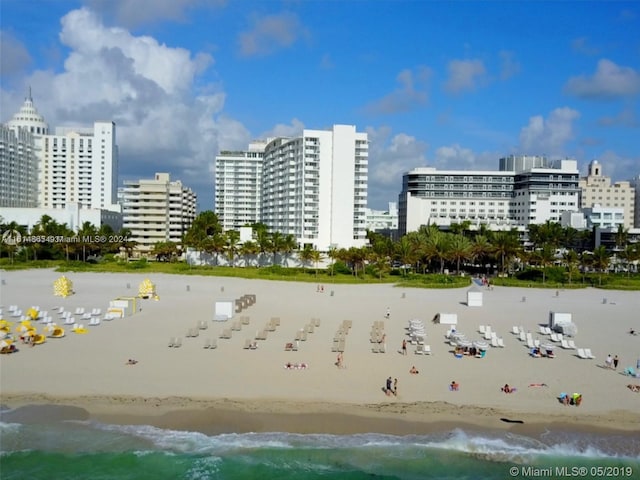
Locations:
(230, 389)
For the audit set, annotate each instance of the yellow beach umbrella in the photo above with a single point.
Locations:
(33, 314)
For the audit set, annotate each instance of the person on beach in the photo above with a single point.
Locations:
(388, 388)
(404, 347)
(388, 314)
(131, 361)
(340, 360)
(608, 362)
(455, 386)
(507, 388)
(395, 387)
(634, 388)
(615, 362)
(414, 370)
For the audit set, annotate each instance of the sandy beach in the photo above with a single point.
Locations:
(250, 390)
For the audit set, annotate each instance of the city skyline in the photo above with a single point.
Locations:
(453, 85)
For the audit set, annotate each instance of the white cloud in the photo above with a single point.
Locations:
(548, 136)
(389, 157)
(14, 56)
(608, 82)
(464, 75)
(581, 45)
(132, 13)
(164, 123)
(454, 157)
(509, 66)
(409, 95)
(618, 166)
(271, 33)
(282, 130)
(625, 118)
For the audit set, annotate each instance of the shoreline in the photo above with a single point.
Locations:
(224, 415)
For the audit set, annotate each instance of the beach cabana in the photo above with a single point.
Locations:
(122, 307)
(474, 297)
(223, 310)
(446, 318)
(62, 287)
(147, 289)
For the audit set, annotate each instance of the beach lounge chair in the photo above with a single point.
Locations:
(79, 311)
(178, 342)
(488, 335)
(316, 322)
(96, 312)
(515, 330)
(245, 320)
(375, 349)
(522, 336)
(501, 342)
(203, 325)
(226, 333)
(481, 329)
(94, 322)
(172, 341)
(530, 344)
(581, 354)
(587, 352)
(427, 349)
(420, 350)
(207, 343)
(214, 344)
(494, 342)
(565, 344)
(247, 344)
(572, 344)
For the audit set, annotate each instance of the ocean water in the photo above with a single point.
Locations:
(75, 449)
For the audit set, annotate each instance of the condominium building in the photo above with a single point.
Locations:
(238, 186)
(157, 210)
(443, 197)
(500, 199)
(521, 163)
(314, 187)
(74, 165)
(383, 220)
(80, 165)
(543, 194)
(597, 189)
(635, 184)
(19, 161)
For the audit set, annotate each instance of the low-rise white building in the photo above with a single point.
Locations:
(73, 215)
(383, 220)
(604, 217)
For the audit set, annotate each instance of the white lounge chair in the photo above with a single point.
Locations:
(494, 342)
(582, 354)
(515, 330)
(587, 352)
(481, 328)
(547, 331)
(501, 342)
(420, 350)
(572, 344)
(564, 344)
(522, 336)
(427, 349)
(79, 311)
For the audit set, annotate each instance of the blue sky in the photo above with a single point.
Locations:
(453, 84)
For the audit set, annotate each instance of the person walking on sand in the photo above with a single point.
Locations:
(608, 362)
(395, 387)
(404, 346)
(388, 314)
(388, 389)
(615, 362)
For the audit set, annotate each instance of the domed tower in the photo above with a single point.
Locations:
(29, 118)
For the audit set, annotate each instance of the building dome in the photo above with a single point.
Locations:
(29, 118)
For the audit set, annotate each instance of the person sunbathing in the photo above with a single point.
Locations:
(131, 361)
(633, 388)
(507, 388)
(455, 386)
(414, 370)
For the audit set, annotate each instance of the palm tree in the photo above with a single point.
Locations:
(437, 246)
(621, 237)
(231, 237)
(263, 239)
(248, 249)
(405, 253)
(289, 244)
(480, 248)
(505, 246)
(276, 245)
(571, 262)
(316, 257)
(600, 260)
(306, 254)
(545, 257)
(333, 256)
(459, 249)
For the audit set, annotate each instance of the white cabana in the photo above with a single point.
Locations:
(474, 297)
(446, 318)
(223, 310)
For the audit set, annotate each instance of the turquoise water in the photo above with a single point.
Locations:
(87, 450)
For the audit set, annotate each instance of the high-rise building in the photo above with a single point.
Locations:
(19, 148)
(499, 199)
(443, 197)
(520, 163)
(74, 165)
(157, 210)
(314, 187)
(635, 185)
(80, 165)
(597, 189)
(238, 185)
